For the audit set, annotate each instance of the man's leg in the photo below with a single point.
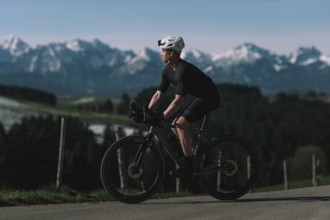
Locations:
(174, 128)
(185, 136)
(181, 129)
(194, 111)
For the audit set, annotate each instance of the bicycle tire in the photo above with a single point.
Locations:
(238, 178)
(121, 182)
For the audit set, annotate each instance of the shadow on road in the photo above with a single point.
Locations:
(300, 199)
(242, 200)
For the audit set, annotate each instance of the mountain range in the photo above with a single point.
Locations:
(83, 68)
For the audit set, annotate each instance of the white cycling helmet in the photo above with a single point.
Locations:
(175, 43)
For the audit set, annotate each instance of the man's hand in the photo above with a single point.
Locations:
(136, 113)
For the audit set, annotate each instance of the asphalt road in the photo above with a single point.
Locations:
(308, 203)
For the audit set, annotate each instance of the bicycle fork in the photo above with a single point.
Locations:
(134, 169)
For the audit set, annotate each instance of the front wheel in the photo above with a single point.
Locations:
(132, 169)
(227, 167)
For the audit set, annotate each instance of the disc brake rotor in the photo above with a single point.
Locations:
(231, 168)
(133, 171)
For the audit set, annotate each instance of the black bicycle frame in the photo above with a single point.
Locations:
(159, 133)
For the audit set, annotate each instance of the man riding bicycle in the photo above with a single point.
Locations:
(187, 79)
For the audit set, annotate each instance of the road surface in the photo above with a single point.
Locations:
(308, 203)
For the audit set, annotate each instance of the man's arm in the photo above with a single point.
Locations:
(175, 105)
(156, 100)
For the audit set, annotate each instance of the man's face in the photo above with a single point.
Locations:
(165, 55)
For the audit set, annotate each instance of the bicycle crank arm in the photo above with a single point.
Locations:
(211, 170)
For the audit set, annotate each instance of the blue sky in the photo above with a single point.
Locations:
(208, 25)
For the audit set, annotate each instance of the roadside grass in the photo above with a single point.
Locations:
(294, 185)
(14, 197)
(50, 195)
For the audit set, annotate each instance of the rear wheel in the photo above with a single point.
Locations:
(123, 178)
(227, 167)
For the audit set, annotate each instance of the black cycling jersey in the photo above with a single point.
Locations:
(189, 79)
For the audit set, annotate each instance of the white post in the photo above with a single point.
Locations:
(219, 176)
(248, 161)
(177, 182)
(248, 167)
(120, 156)
(285, 175)
(313, 171)
(60, 157)
(318, 177)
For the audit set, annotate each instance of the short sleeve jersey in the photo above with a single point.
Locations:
(188, 79)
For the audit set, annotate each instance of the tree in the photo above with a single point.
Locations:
(2, 150)
(30, 153)
(82, 156)
(2, 135)
(123, 106)
(301, 163)
(107, 106)
(30, 156)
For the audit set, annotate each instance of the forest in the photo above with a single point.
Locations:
(28, 94)
(281, 127)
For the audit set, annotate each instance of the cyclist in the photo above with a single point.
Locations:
(187, 79)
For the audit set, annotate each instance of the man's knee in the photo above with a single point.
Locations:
(174, 130)
(181, 125)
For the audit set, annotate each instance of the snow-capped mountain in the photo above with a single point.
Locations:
(308, 56)
(80, 67)
(15, 46)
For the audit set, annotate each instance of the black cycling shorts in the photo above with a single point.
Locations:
(196, 109)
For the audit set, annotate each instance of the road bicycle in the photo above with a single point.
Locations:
(133, 168)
